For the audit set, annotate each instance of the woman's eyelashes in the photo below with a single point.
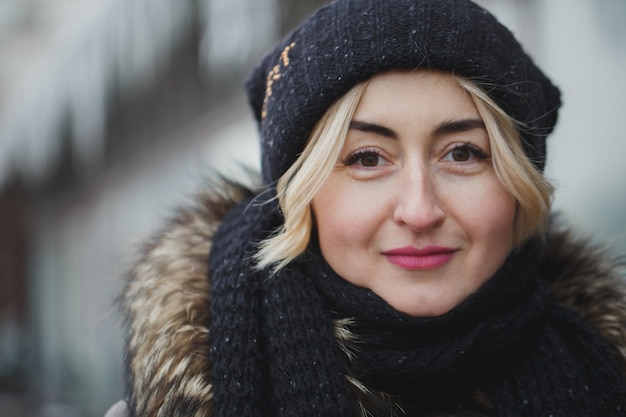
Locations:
(465, 152)
(367, 158)
(460, 153)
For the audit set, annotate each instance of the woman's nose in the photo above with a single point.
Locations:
(418, 206)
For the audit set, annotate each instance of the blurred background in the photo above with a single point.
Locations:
(113, 111)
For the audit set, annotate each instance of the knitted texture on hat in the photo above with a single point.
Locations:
(274, 353)
(349, 41)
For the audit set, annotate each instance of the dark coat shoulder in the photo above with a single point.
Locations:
(165, 305)
(590, 280)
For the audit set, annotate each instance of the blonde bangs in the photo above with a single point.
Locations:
(516, 172)
(298, 186)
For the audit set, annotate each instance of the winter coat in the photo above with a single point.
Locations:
(166, 305)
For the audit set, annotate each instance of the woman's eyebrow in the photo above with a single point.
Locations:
(457, 126)
(373, 128)
(445, 128)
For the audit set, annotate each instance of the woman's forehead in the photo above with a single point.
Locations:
(423, 95)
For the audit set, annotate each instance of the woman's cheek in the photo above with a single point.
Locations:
(345, 215)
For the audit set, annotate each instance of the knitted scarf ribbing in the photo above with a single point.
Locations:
(274, 351)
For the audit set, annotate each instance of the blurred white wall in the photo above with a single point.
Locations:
(84, 243)
(585, 45)
(581, 44)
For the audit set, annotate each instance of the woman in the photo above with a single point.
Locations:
(399, 258)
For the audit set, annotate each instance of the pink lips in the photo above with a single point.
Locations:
(413, 258)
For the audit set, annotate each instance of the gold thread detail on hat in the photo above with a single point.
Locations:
(274, 75)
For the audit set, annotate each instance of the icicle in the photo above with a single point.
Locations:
(120, 45)
(87, 105)
(235, 32)
(110, 44)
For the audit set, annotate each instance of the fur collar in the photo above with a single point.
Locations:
(166, 298)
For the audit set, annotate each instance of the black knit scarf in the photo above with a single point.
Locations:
(274, 351)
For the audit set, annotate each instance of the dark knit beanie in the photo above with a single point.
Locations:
(349, 41)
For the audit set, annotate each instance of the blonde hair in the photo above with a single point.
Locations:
(304, 178)
(513, 167)
(297, 187)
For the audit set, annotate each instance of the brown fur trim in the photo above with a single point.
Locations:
(166, 308)
(590, 281)
(370, 403)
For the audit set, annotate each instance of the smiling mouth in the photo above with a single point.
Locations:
(413, 258)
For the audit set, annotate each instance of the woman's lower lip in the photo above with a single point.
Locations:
(415, 262)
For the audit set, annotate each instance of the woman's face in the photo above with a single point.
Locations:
(413, 209)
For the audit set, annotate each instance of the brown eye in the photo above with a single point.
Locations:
(366, 159)
(466, 153)
(461, 154)
(370, 159)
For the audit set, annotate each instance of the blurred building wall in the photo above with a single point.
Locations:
(585, 45)
(581, 44)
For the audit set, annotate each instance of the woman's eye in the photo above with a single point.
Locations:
(365, 158)
(465, 153)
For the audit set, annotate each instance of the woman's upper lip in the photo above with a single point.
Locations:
(414, 251)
